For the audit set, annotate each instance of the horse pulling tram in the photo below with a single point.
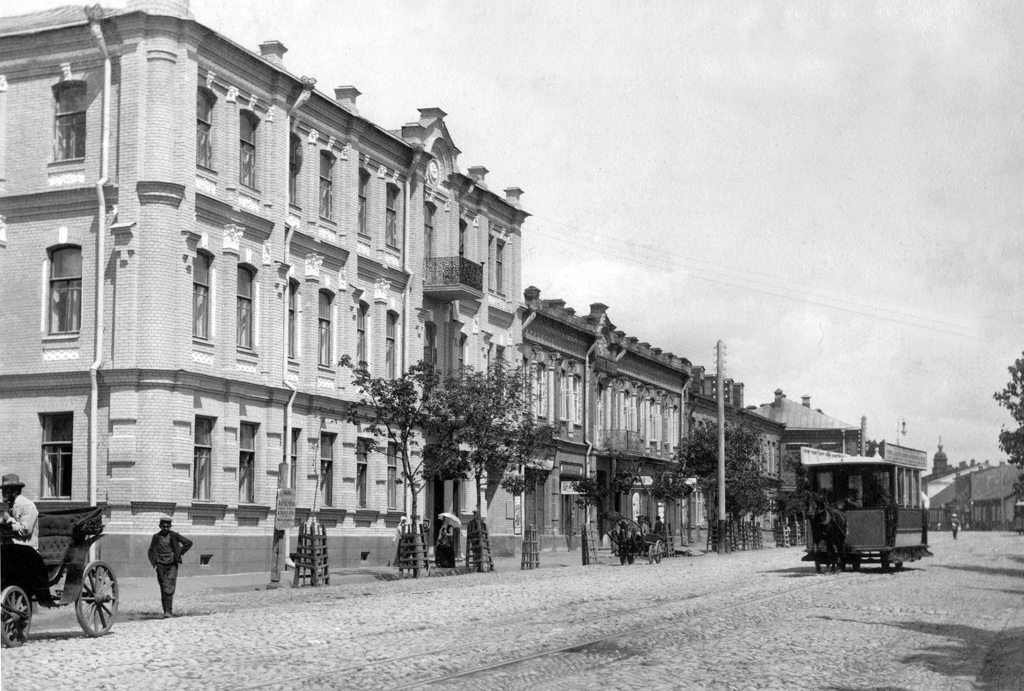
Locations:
(866, 510)
(64, 541)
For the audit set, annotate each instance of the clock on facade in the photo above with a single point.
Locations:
(433, 172)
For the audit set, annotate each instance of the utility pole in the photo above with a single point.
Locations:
(719, 379)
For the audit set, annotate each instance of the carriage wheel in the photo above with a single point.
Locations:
(656, 551)
(17, 616)
(817, 563)
(96, 607)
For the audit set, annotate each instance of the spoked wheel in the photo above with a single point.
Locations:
(656, 549)
(17, 616)
(96, 607)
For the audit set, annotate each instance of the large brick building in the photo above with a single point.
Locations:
(191, 237)
(614, 402)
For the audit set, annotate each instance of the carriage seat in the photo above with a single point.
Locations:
(53, 548)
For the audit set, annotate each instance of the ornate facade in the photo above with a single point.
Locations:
(192, 237)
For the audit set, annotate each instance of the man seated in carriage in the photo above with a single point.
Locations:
(19, 529)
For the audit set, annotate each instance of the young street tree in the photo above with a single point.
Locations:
(1011, 441)
(395, 410)
(746, 487)
(481, 427)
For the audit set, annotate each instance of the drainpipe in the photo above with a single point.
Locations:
(586, 409)
(95, 17)
(307, 89)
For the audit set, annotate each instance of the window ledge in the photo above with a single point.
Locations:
(207, 509)
(206, 171)
(324, 369)
(62, 338)
(331, 512)
(369, 513)
(253, 509)
(67, 163)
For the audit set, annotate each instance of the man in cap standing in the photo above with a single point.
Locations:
(165, 552)
(19, 524)
(20, 513)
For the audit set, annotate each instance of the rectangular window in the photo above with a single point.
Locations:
(577, 401)
(428, 230)
(430, 345)
(364, 185)
(361, 474)
(293, 308)
(202, 459)
(294, 459)
(462, 237)
(246, 463)
(244, 308)
(201, 297)
(361, 351)
(540, 391)
(326, 186)
(390, 355)
(69, 135)
(247, 150)
(391, 223)
(66, 290)
(499, 275)
(392, 475)
(462, 353)
(324, 355)
(58, 437)
(294, 166)
(566, 396)
(327, 469)
(204, 125)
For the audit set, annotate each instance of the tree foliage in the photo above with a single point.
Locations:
(671, 486)
(396, 410)
(1011, 441)
(589, 492)
(481, 427)
(746, 487)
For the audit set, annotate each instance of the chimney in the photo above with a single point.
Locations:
(532, 293)
(806, 400)
(778, 397)
(274, 52)
(512, 195)
(346, 97)
(555, 303)
(597, 309)
(478, 173)
(737, 395)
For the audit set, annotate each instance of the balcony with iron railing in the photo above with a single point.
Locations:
(452, 278)
(623, 440)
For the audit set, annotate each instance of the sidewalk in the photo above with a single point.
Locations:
(148, 589)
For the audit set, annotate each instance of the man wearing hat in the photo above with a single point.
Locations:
(20, 513)
(165, 552)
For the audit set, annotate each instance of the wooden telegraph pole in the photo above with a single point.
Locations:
(284, 517)
(719, 378)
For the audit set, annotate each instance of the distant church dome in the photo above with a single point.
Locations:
(939, 461)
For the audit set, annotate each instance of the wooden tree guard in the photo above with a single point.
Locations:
(531, 550)
(670, 542)
(311, 563)
(589, 544)
(478, 547)
(412, 553)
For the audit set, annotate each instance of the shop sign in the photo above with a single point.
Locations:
(567, 487)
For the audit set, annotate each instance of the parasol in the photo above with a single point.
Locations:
(450, 519)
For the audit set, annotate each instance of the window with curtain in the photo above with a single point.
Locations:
(204, 129)
(293, 310)
(294, 166)
(66, 290)
(362, 350)
(390, 354)
(392, 483)
(244, 308)
(247, 150)
(246, 463)
(327, 469)
(201, 296)
(428, 230)
(324, 351)
(69, 135)
(326, 185)
(361, 470)
(58, 445)
(202, 455)
(391, 221)
(364, 188)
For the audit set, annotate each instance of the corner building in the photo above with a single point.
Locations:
(173, 320)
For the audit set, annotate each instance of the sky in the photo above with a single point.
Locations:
(833, 189)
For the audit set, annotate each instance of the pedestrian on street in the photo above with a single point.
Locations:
(954, 524)
(165, 552)
(659, 526)
(403, 525)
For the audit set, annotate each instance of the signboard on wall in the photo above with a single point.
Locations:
(904, 456)
(567, 488)
(285, 509)
(517, 516)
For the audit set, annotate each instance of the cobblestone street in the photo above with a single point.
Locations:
(759, 619)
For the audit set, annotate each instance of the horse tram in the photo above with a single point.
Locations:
(631, 541)
(29, 577)
(866, 509)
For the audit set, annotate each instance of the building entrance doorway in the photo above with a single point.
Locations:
(570, 520)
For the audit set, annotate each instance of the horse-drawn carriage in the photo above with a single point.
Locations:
(631, 541)
(864, 510)
(64, 541)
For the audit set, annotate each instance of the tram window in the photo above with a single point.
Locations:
(856, 485)
(876, 489)
(825, 482)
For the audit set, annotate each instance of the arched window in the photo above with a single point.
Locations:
(294, 165)
(324, 352)
(362, 352)
(244, 308)
(247, 149)
(428, 230)
(201, 296)
(69, 127)
(66, 290)
(390, 354)
(204, 127)
(293, 308)
(326, 185)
